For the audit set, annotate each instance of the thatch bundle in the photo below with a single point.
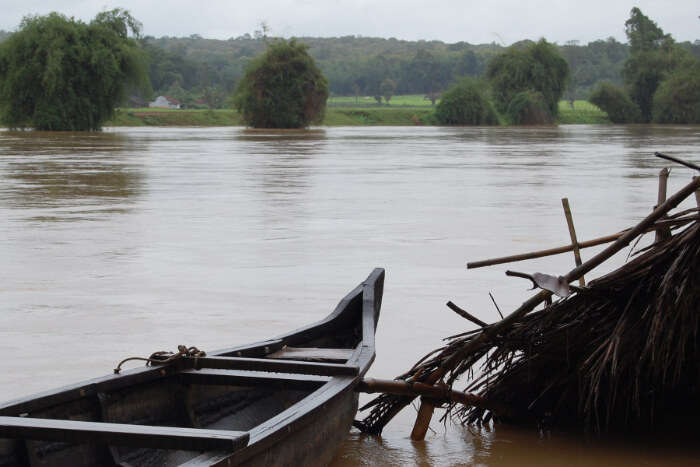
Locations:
(622, 354)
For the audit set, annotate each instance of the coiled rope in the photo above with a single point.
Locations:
(164, 356)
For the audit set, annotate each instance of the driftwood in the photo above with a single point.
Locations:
(592, 359)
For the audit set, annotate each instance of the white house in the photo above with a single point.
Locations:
(166, 102)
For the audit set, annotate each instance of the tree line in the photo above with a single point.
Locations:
(204, 72)
(60, 72)
(661, 78)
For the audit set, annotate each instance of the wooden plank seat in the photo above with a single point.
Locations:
(120, 434)
(313, 354)
(254, 378)
(273, 365)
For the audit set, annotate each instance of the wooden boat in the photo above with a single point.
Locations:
(285, 401)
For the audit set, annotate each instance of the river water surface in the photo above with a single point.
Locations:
(135, 240)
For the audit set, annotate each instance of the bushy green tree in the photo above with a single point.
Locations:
(654, 55)
(282, 88)
(535, 67)
(677, 100)
(466, 103)
(616, 103)
(58, 73)
(387, 88)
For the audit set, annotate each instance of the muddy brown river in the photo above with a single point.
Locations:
(130, 241)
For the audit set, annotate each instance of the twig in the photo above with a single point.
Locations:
(496, 305)
(466, 315)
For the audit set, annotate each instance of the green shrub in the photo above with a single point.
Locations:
(616, 103)
(677, 100)
(465, 103)
(529, 108)
(283, 88)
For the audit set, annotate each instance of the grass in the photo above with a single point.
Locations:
(583, 112)
(167, 117)
(341, 111)
(409, 100)
(392, 116)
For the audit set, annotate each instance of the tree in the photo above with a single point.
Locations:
(282, 88)
(62, 74)
(643, 33)
(616, 103)
(653, 56)
(466, 103)
(387, 89)
(529, 67)
(677, 100)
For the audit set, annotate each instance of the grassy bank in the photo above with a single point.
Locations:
(342, 116)
(167, 117)
(336, 115)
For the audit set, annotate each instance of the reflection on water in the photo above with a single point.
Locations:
(221, 236)
(71, 176)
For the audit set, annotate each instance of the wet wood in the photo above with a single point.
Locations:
(253, 378)
(425, 414)
(543, 253)
(121, 434)
(631, 234)
(272, 365)
(313, 354)
(404, 388)
(466, 315)
(690, 165)
(647, 224)
(662, 233)
(572, 235)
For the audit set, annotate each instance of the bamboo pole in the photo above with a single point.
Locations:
(405, 388)
(662, 233)
(425, 414)
(543, 253)
(572, 234)
(562, 249)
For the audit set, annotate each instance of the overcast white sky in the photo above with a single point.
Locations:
(502, 21)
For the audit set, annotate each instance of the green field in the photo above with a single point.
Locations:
(412, 111)
(409, 100)
(582, 112)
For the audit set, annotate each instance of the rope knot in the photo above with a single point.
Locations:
(163, 356)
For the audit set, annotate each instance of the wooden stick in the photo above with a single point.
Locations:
(550, 251)
(677, 160)
(662, 233)
(425, 413)
(542, 253)
(438, 393)
(630, 235)
(697, 193)
(572, 234)
(466, 315)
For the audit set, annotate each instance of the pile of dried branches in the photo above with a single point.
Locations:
(620, 354)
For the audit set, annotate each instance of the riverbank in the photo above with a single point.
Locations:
(364, 115)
